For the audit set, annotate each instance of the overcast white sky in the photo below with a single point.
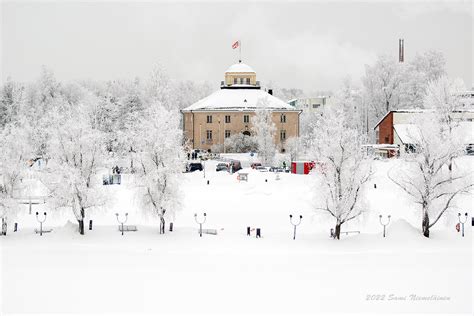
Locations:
(308, 45)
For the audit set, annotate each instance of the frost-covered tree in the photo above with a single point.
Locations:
(443, 96)
(348, 98)
(160, 89)
(187, 92)
(308, 120)
(160, 160)
(342, 168)
(76, 155)
(416, 74)
(240, 143)
(382, 83)
(11, 97)
(14, 158)
(287, 94)
(425, 175)
(431, 64)
(390, 85)
(264, 131)
(294, 147)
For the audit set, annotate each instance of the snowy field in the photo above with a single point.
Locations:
(231, 273)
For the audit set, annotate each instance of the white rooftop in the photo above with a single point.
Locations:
(410, 133)
(240, 67)
(239, 99)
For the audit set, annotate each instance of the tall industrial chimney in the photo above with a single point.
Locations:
(401, 51)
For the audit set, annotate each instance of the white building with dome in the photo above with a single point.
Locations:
(228, 111)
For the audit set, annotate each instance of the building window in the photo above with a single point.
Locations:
(209, 135)
(248, 80)
(209, 118)
(283, 118)
(246, 119)
(227, 118)
(227, 133)
(235, 80)
(282, 135)
(241, 80)
(315, 106)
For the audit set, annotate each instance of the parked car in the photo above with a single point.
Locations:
(277, 169)
(222, 166)
(193, 166)
(261, 169)
(470, 150)
(255, 165)
(236, 165)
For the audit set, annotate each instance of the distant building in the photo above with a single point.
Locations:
(467, 99)
(310, 104)
(399, 127)
(228, 111)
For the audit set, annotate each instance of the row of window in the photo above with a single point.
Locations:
(242, 80)
(227, 134)
(246, 118)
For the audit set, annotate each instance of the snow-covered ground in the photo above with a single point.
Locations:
(231, 273)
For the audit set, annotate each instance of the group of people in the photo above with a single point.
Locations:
(116, 170)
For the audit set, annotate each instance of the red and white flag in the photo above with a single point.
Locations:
(235, 45)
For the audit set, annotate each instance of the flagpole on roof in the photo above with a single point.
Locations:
(240, 51)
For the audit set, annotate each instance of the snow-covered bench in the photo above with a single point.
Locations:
(210, 231)
(333, 233)
(243, 177)
(127, 228)
(45, 230)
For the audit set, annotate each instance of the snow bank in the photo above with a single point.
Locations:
(401, 229)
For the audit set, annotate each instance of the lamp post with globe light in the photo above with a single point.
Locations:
(295, 224)
(200, 223)
(384, 224)
(121, 222)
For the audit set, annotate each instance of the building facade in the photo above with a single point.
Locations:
(399, 127)
(208, 122)
(313, 104)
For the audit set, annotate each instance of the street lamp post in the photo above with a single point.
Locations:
(120, 222)
(384, 224)
(462, 222)
(200, 223)
(41, 222)
(295, 224)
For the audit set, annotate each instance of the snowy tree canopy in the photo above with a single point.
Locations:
(427, 175)
(160, 156)
(76, 153)
(341, 169)
(15, 159)
(390, 85)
